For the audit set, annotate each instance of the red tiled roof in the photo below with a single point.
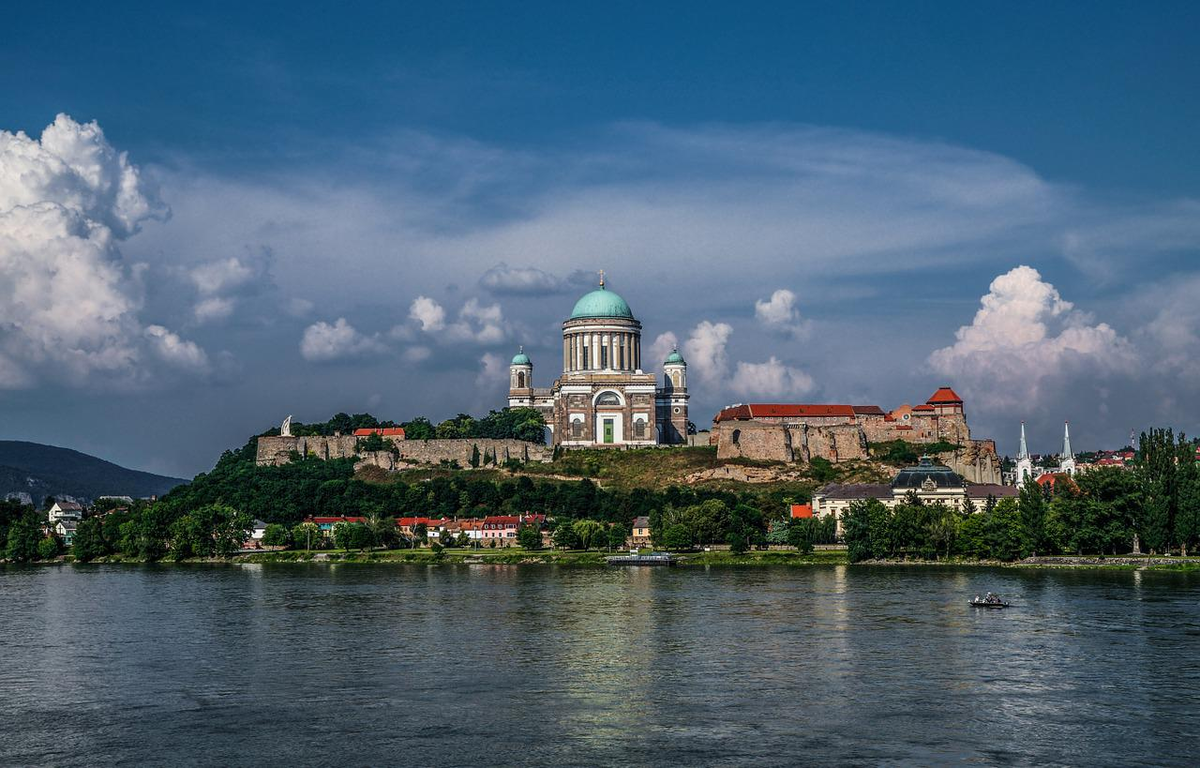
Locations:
(430, 522)
(868, 410)
(944, 396)
(802, 510)
(782, 410)
(923, 408)
(381, 431)
(322, 520)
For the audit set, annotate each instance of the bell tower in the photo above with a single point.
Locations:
(520, 380)
(672, 400)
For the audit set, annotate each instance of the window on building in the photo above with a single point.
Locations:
(577, 428)
(639, 429)
(521, 380)
(604, 356)
(608, 398)
(737, 436)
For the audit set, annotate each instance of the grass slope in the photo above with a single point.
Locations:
(47, 470)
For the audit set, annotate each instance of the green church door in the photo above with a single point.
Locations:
(608, 430)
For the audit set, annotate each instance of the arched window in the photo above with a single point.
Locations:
(639, 429)
(521, 380)
(737, 436)
(608, 398)
(577, 428)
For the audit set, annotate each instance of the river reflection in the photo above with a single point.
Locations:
(484, 665)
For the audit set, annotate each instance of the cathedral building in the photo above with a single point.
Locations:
(604, 397)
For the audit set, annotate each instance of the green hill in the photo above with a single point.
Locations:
(46, 470)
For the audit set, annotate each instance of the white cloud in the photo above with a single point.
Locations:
(1025, 336)
(492, 369)
(780, 314)
(218, 276)
(69, 305)
(323, 342)
(477, 323)
(176, 351)
(213, 308)
(771, 378)
(417, 354)
(428, 313)
(663, 345)
(705, 352)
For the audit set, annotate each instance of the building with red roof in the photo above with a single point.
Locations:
(799, 432)
(394, 433)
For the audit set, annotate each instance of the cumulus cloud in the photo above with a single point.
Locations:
(69, 304)
(323, 342)
(492, 369)
(780, 314)
(662, 346)
(772, 379)
(176, 351)
(1025, 336)
(476, 323)
(705, 352)
(427, 312)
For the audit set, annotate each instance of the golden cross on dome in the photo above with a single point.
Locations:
(602, 278)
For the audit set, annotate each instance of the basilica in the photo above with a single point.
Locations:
(604, 398)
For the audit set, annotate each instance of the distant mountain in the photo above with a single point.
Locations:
(46, 470)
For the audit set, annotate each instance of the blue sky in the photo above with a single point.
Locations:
(823, 202)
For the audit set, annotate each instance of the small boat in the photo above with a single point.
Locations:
(989, 601)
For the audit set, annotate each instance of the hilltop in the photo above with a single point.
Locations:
(46, 470)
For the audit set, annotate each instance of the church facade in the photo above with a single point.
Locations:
(604, 397)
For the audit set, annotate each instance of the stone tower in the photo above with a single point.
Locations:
(520, 380)
(672, 401)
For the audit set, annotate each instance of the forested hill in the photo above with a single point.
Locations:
(46, 470)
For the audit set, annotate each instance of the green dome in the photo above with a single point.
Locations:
(674, 357)
(521, 358)
(601, 303)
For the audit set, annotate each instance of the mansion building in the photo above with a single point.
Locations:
(604, 397)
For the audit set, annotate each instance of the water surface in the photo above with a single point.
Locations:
(519, 665)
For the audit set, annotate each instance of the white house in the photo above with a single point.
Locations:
(65, 510)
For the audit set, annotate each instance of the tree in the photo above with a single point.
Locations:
(677, 537)
(618, 534)
(474, 460)
(89, 540)
(349, 536)
(276, 535)
(1032, 505)
(864, 529)
(306, 535)
(1006, 532)
(800, 534)
(745, 528)
(1160, 463)
(47, 548)
(529, 537)
(588, 532)
(564, 536)
(1187, 513)
(418, 429)
(23, 538)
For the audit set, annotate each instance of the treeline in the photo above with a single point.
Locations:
(508, 424)
(209, 516)
(1102, 511)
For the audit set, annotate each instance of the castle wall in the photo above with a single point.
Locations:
(274, 451)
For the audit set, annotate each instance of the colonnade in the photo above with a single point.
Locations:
(602, 350)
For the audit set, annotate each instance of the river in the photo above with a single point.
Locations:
(536, 665)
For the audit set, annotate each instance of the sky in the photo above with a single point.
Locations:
(214, 216)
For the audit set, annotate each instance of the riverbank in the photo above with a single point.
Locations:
(716, 558)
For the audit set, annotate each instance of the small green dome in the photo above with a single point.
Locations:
(521, 358)
(674, 357)
(601, 303)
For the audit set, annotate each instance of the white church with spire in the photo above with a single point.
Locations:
(1025, 468)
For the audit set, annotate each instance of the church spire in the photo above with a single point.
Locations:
(1067, 441)
(1024, 452)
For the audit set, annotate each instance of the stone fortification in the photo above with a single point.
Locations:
(799, 433)
(274, 451)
